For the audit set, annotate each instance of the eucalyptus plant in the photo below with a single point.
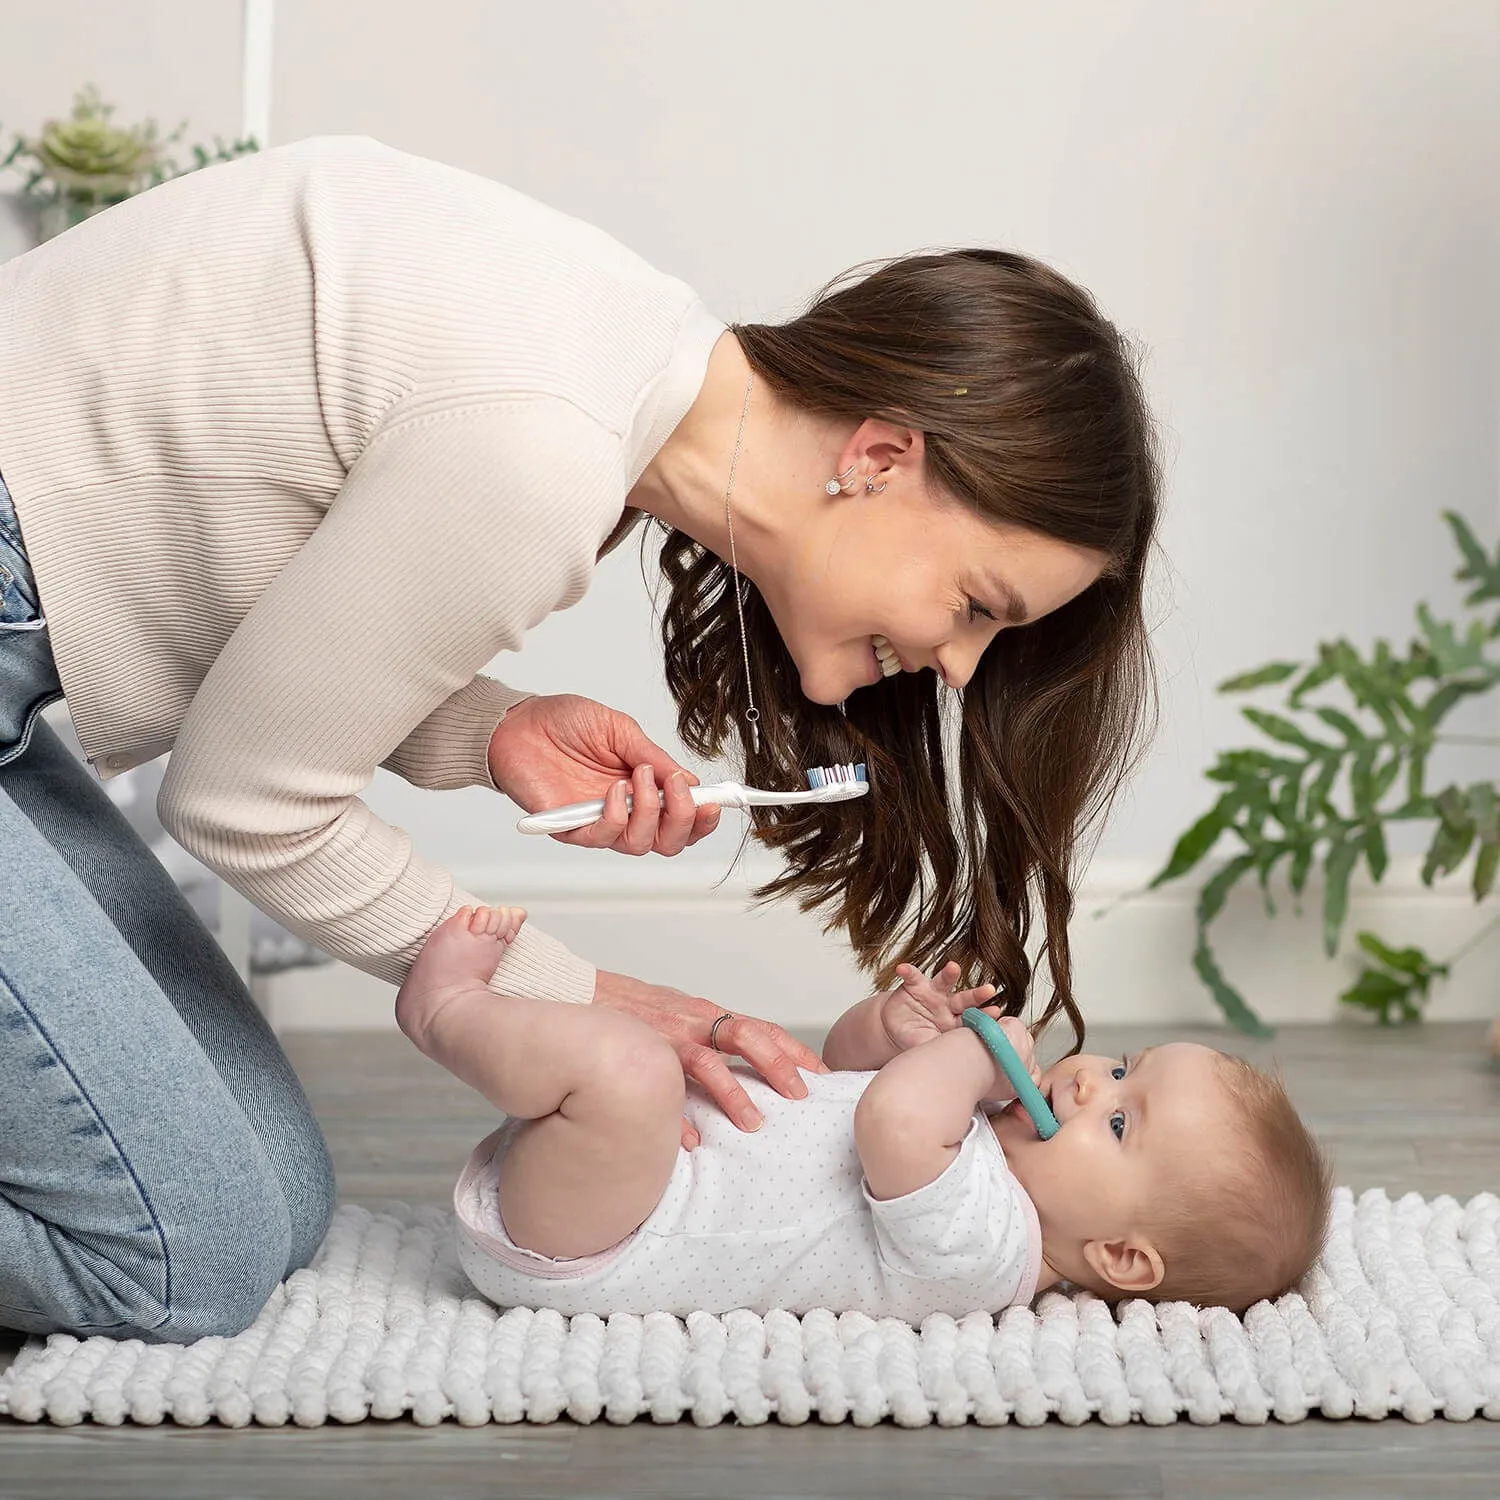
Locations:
(1344, 760)
(78, 165)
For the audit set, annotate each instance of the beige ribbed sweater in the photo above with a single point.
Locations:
(298, 444)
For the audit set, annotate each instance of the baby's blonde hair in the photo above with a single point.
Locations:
(1252, 1224)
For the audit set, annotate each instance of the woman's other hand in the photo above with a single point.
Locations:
(686, 1021)
(550, 751)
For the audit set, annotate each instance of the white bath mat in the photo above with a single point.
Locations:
(1400, 1318)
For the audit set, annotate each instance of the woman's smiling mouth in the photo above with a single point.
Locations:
(885, 654)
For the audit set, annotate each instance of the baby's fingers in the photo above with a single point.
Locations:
(978, 998)
(1021, 1040)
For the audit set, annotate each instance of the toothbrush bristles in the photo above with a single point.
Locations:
(821, 776)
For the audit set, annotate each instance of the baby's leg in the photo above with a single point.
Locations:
(603, 1091)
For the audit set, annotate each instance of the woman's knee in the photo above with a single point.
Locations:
(311, 1194)
(166, 1278)
(221, 1265)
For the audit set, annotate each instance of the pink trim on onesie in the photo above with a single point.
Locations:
(1026, 1292)
(480, 1179)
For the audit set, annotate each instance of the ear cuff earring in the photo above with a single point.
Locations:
(836, 485)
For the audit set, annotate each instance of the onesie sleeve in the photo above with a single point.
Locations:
(454, 533)
(973, 1227)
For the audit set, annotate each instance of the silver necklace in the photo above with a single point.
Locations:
(752, 714)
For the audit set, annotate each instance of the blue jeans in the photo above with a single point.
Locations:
(160, 1167)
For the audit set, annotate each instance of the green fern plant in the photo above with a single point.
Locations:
(1331, 777)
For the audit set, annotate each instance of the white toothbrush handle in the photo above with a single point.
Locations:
(581, 814)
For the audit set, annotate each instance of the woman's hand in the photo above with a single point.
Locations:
(920, 1008)
(685, 1021)
(550, 751)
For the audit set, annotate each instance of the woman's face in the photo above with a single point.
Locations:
(908, 579)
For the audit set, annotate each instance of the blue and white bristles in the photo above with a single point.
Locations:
(821, 776)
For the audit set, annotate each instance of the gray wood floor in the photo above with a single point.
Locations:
(1407, 1110)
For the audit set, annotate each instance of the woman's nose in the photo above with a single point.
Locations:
(957, 660)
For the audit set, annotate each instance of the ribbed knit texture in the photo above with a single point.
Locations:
(298, 444)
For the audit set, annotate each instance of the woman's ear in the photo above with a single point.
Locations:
(877, 447)
(1131, 1265)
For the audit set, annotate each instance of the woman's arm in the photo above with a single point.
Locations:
(451, 535)
(913, 1117)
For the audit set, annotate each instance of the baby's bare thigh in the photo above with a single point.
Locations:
(581, 1179)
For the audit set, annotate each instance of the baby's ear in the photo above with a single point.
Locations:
(1133, 1266)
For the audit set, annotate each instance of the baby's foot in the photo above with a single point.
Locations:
(462, 951)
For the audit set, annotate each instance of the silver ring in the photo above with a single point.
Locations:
(713, 1031)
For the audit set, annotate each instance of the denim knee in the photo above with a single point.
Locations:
(311, 1195)
(222, 1268)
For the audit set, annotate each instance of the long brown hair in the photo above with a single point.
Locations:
(1033, 414)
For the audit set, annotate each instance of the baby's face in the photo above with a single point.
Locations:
(1131, 1131)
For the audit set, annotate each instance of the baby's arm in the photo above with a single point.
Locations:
(914, 1116)
(870, 1034)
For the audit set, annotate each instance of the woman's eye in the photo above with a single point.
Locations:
(978, 611)
(1117, 1124)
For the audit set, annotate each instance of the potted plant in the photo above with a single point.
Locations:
(1344, 759)
(77, 166)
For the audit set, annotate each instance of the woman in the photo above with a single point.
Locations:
(294, 446)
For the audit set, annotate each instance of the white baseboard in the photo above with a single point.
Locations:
(1132, 965)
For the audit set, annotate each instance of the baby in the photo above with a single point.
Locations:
(907, 1182)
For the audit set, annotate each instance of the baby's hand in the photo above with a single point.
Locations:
(920, 1008)
(1020, 1038)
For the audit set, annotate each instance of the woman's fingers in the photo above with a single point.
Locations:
(679, 815)
(711, 1072)
(645, 815)
(608, 829)
(774, 1053)
(704, 823)
(659, 818)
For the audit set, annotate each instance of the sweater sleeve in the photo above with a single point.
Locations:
(450, 748)
(454, 533)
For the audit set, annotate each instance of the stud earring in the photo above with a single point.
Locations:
(871, 488)
(835, 486)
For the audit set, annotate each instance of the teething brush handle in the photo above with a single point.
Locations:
(581, 814)
(990, 1032)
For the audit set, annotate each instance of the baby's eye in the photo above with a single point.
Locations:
(1118, 1071)
(1117, 1124)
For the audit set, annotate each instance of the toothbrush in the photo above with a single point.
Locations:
(1028, 1095)
(825, 784)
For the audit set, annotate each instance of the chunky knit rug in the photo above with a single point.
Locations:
(1400, 1318)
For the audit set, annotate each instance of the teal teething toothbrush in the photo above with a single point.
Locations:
(988, 1030)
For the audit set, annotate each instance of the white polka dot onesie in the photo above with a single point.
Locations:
(777, 1218)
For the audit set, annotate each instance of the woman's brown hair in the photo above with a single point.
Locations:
(1033, 414)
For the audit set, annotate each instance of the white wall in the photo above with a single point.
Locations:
(1294, 204)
